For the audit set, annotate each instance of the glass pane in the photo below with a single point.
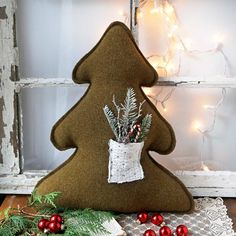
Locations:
(54, 34)
(187, 110)
(199, 40)
(191, 111)
(42, 107)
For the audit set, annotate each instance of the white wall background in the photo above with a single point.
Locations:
(54, 34)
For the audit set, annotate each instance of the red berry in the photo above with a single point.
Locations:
(59, 225)
(157, 219)
(182, 230)
(56, 218)
(47, 223)
(165, 231)
(54, 227)
(42, 224)
(149, 232)
(142, 217)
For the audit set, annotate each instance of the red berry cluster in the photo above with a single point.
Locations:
(54, 225)
(157, 219)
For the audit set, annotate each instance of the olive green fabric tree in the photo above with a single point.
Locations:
(111, 67)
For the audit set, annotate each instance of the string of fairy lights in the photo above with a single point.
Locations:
(167, 66)
(205, 132)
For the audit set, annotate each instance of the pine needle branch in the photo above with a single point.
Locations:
(47, 199)
(85, 222)
(145, 126)
(112, 120)
(50, 198)
(118, 118)
(129, 107)
(127, 116)
(78, 222)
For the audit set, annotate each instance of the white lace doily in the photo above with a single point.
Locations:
(209, 219)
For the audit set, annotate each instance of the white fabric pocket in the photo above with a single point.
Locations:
(124, 162)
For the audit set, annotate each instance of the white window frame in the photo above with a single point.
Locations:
(13, 178)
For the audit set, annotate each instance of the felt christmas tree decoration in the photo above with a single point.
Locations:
(112, 67)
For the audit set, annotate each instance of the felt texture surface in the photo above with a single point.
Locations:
(111, 67)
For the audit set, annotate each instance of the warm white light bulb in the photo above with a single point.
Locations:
(154, 64)
(157, 7)
(148, 91)
(168, 19)
(163, 106)
(219, 38)
(121, 13)
(155, 10)
(140, 14)
(205, 167)
(208, 106)
(197, 125)
(169, 9)
(169, 67)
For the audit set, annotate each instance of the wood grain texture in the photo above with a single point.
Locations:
(183, 82)
(199, 183)
(13, 201)
(9, 126)
(231, 206)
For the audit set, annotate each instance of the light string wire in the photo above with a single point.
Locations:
(125, 16)
(205, 132)
(162, 101)
(175, 41)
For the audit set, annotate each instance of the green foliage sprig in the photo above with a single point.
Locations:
(85, 222)
(79, 222)
(128, 115)
(39, 200)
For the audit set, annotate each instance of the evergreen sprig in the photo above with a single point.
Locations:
(129, 109)
(39, 200)
(145, 126)
(122, 124)
(78, 222)
(112, 120)
(85, 222)
(15, 225)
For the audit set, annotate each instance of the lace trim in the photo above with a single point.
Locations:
(209, 218)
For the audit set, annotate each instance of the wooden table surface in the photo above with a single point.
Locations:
(231, 206)
(21, 200)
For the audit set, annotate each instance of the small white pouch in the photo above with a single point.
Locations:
(124, 162)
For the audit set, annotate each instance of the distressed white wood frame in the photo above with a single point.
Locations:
(13, 178)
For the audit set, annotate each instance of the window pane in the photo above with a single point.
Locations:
(185, 109)
(42, 107)
(54, 34)
(201, 29)
(191, 110)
